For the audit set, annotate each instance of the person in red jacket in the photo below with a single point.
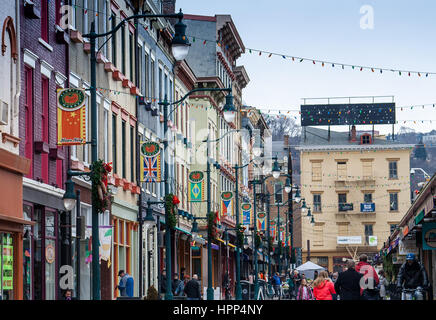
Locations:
(369, 281)
(323, 287)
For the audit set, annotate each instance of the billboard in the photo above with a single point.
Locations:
(347, 114)
(349, 240)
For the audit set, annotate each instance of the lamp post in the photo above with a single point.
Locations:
(180, 48)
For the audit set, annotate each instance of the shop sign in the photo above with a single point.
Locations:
(419, 217)
(367, 207)
(396, 259)
(407, 246)
(49, 253)
(429, 236)
(349, 240)
(372, 240)
(8, 263)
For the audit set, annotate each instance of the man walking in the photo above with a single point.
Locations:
(192, 289)
(176, 282)
(347, 286)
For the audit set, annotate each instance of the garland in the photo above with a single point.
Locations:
(212, 220)
(270, 244)
(100, 195)
(170, 209)
(257, 240)
(240, 234)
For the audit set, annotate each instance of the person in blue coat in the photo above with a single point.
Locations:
(126, 284)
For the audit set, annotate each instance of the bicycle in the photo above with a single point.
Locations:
(412, 294)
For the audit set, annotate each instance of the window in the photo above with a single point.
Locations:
(316, 171)
(342, 199)
(393, 227)
(153, 77)
(342, 170)
(104, 20)
(365, 139)
(44, 20)
(45, 129)
(318, 236)
(367, 169)
(114, 39)
(342, 229)
(160, 86)
(141, 72)
(124, 148)
(131, 56)
(123, 49)
(316, 203)
(278, 193)
(367, 198)
(368, 232)
(28, 146)
(105, 134)
(114, 141)
(393, 200)
(393, 174)
(146, 75)
(132, 153)
(85, 16)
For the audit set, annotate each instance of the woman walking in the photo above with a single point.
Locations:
(323, 287)
(304, 291)
(383, 284)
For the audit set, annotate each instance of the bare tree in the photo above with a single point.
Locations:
(281, 125)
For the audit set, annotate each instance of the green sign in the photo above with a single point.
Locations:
(419, 217)
(150, 149)
(8, 263)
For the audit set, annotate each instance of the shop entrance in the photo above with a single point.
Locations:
(6, 266)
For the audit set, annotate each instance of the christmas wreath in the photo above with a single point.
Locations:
(171, 202)
(212, 222)
(100, 194)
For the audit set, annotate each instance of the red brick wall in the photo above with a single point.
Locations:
(29, 34)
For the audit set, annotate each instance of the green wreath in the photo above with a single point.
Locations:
(170, 211)
(240, 234)
(100, 195)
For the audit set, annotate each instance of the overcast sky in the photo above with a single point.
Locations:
(402, 37)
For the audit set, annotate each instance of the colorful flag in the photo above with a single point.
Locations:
(246, 213)
(150, 162)
(261, 221)
(71, 116)
(196, 186)
(227, 203)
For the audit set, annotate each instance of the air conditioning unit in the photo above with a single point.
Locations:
(4, 113)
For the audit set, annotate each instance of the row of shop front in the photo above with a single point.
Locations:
(416, 234)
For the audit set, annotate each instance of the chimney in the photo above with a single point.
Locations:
(353, 133)
(168, 6)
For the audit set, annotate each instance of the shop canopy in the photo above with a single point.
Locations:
(309, 269)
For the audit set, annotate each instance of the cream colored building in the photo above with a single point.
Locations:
(369, 173)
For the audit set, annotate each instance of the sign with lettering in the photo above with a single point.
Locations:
(367, 207)
(349, 240)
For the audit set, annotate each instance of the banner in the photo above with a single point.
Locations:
(261, 221)
(8, 263)
(105, 242)
(150, 162)
(246, 213)
(429, 236)
(71, 116)
(227, 203)
(196, 186)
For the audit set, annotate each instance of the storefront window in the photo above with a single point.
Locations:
(27, 258)
(50, 255)
(37, 255)
(6, 266)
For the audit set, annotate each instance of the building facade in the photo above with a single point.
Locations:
(357, 188)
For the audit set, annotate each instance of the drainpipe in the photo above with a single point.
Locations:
(17, 76)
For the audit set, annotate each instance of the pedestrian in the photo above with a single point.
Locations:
(192, 289)
(68, 295)
(384, 283)
(175, 283)
(181, 286)
(315, 275)
(126, 284)
(291, 289)
(163, 282)
(347, 285)
(296, 278)
(369, 289)
(323, 287)
(277, 282)
(182, 273)
(304, 292)
(334, 278)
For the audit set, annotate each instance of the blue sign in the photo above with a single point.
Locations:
(429, 236)
(367, 207)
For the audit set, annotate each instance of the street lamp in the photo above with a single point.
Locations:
(297, 197)
(309, 213)
(69, 197)
(229, 110)
(276, 169)
(194, 229)
(303, 206)
(180, 49)
(149, 219)
(288, 186)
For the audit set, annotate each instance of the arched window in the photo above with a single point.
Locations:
(8, 25)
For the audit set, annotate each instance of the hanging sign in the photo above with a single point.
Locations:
(429, 236)
(71, 116)
(246, 213)
(150, 162)
(196, 186)
(227, 203)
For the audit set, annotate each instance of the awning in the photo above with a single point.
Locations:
(184, 231)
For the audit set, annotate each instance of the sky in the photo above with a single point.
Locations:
(401, 36)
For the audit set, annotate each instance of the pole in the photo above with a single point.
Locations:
(78, 238)
(168, 293)
(94, 156)
(308, 250)
(209, 236)
(256, 276)
(227, 264)
(286, 242)
(279, 240)
(291, 210)
(238, 245)
(269, 235)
